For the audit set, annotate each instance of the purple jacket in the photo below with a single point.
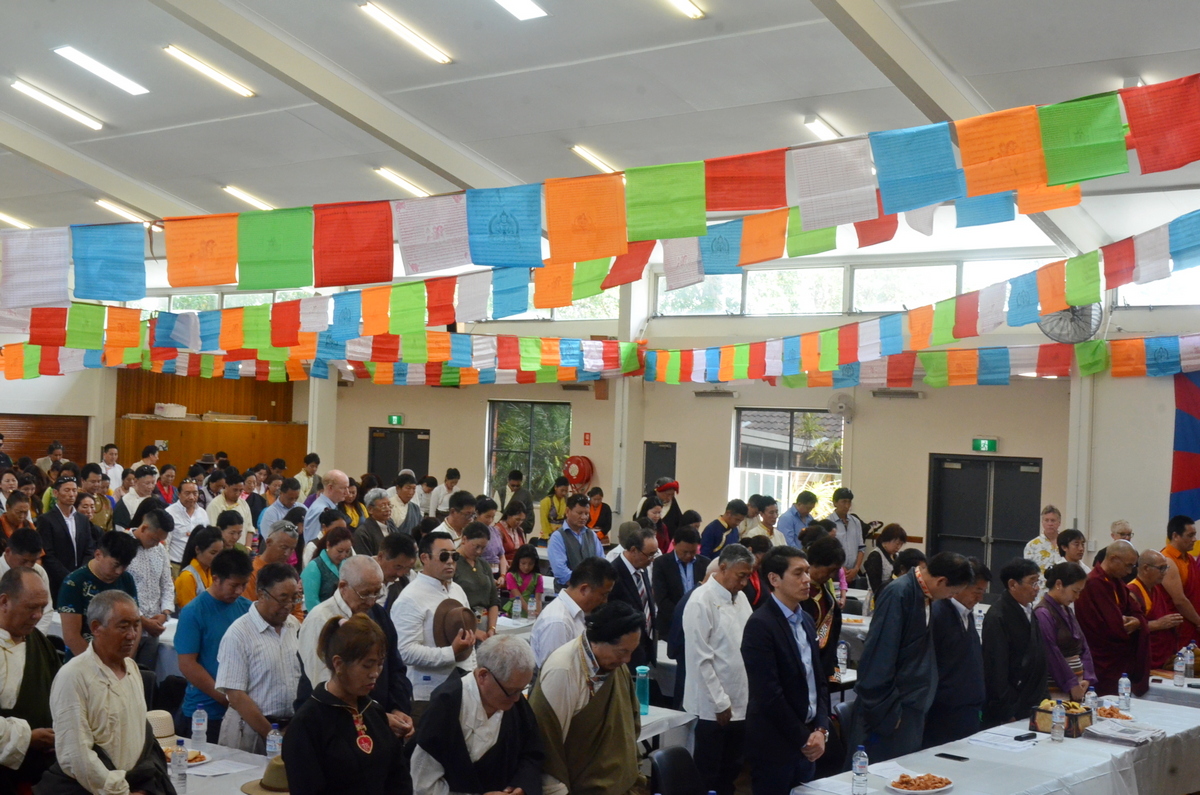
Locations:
(1050, 614)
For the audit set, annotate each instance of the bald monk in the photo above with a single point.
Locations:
(1113, 624)
(1152, 597)
(1182, 580)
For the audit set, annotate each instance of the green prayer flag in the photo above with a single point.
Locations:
(85, 326)
(665, 201)
(794, 381)
(531, 352)
(275, 249)
(370, 368)
(256, 327)
(801, 243)
(144, 335)
(207, 364)
(133, 355)
(588, 277)
(741, 361)
(450, 376)
(277, 372)
(1092, 357)
(414, 348)
(546, 375)
(270, 354)
(146, 361)
(1083, 279)
(937, 367)
(943, 323)
(673, 367)
(629, 357)
(1083, 139)
(33, 359)
(829, 350)
(406, 310)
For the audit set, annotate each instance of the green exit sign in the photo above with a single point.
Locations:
(395, 419)
(983, 445)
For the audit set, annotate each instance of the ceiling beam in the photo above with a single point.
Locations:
(882, 34)
(288, 60)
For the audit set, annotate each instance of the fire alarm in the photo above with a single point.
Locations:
(587, 440)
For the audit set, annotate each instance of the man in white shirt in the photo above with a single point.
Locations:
(439, 500)
(23, 550)
(144, 478)
(109, 465)
(716, 690)
(412, 615)
(151, 570)
(406, 514)
(307, 477)
(848, 529)
(28, 664)
(460, 513)
(188, 515)
(565, 618)
(230, 499)
(336, 487)
(258, 662)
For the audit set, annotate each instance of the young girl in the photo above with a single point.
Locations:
(523, 581)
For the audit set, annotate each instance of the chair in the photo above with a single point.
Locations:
(836, 749)
(150, 686)
(673, 772)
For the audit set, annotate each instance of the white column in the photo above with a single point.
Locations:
(628, 430)
(1077, 510)
(322, 418)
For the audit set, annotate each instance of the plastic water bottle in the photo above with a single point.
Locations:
(199, 728)
(1180, 667)
(1058, 722)
(1090, 699)
(843, 658)
(1189, 660)
(1124, 691)
(274, 742)
(518, 607)
(179, 767)
(858, 784)
(643, 688)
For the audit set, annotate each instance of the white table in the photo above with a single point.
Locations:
(168, 660)
(1165, 691)
(231, 782)
(519, 627)
(673, 727)
(664, 671)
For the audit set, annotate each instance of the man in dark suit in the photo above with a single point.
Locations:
(960, 689)
(633, 588)
(68, 538)
(676, 574)
(1014, 662)
(787, 717)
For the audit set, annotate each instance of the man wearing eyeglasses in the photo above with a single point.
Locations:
(1152, 597)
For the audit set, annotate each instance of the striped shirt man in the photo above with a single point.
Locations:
(263, 663)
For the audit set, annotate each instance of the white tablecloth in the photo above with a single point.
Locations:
(168, 660)
(229, 783)
(1166, 692)
(520, 627)
(674, 727)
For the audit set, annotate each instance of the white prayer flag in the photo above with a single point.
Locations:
(416, 375)
(14, 321)
(921, 220)
(359, 349)
(699, 365)
(991, 306)
(506, 376)
(70, 360)
(432, 233)
(483, 352)
(872, 373)
(473, 292)
(181, 362)
(868, 341)
(1152, 255)
(249, 368)
(314, 313)
(1023, 359)
(187, 330)
(834, 183)
(1189, 353)
(681, 262)
(593, 355)
(774, 357)
(35, 267)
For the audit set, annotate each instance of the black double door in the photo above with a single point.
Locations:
(393, 449)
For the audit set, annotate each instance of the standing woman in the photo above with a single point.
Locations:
(474, 575)
(493, 553)
(339, 742)
(202, 546)
(554, 507)
(672, 514)
(882, 561)
(320, 576)
(599, 514)
(652, 509)
(353, 510)
(125, 486)
(825, 558)
(1068, 659)
(8, 484)
(165, 488)
(512, 530)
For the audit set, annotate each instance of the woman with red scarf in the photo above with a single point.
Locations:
(165, 488)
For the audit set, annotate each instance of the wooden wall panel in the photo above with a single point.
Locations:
(247, 443)
(139, 390)
(31, 434)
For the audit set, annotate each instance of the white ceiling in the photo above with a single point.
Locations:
(631, 79)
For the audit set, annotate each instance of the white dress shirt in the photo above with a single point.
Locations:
(412, 615)
(713, 620)
(439, 499)
(14, 732)
(131, 500)
(261, 662)
(185, 523)
(795, 619)
(48, 613)
(560, 622)
(964, 613)
(151, 571)
(314, 667)
(444, 527)
(479, 731)
(114, 474)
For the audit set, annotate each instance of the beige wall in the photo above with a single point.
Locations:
(88, 393)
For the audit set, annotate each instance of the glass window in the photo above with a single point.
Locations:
(150, 304)
(233, 300)
(198, 302)
(802, 291)
(1181, 288)
(982, 273)
(893, 289)
(716, 295)
(605, 306)
(781, 452)
(292, 295)
(532, 437)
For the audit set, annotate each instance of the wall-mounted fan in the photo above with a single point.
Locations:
(1073, 324)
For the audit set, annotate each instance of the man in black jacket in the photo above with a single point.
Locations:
(68, 538)
(787, 718)
(633, 587)
(676, 574)
(960, 690)
(1014, 661)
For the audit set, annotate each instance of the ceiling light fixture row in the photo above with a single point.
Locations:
(8, 219)
(128, 215)
(248, 198)
(392, 176)
(100, 70)
(687, 8)
(591, 158)
(522, 9)
(207, 71)
(57, 104)
(405, 32)
(820, 128)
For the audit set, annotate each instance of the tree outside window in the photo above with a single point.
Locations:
(532, 437)
(781, 452)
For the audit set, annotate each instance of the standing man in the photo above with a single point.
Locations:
(54, 454)
(787, 715)
(960, 689)
(106, 571)
(848, 529)
(336, 487)
(797, 517)
(1014, 660)
(67, 536)
(187, 516)
(460, 512)
(439, 500)
(151, 571)
(574, 541)
(23, 551)
(406, 514)
(565, 618)
(723, 530)
(1182, 580)
(717, 691)
(91, 481)
(307, 477)
(230, 499)
(258, 663)
(1156, 604)
(109, 466)
(633, 588)
(516, 492)
(1120, 530)
(144, 478)
(898, 677)
(1114, 625)
(280, 543)
(396, 557)
(676, 574)
(1043, 550)
(289, 495)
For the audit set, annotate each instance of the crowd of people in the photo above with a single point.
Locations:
(362, 621)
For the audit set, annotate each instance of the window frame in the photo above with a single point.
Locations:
(792, 413)
(490, 451)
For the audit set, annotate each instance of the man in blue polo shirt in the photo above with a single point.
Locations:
(798, 517)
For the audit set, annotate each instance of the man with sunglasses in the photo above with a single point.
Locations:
(412, 613)
(67, 536)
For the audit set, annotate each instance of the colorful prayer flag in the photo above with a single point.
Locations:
(835, 184)
(352, 243)
(1001, 151)
(993, 208)
(552, 285)
(585, 217)
(510, 292)
(721, 248)
(665, 201)
(1083, 139)
(1083, 279)
(110, 261)
(801, 243)
(1118, 263)
(880, 230)
(1041, 198)
(588, 278)
(36, 262)
(202, 250)
(630, 266)
(275, 249)
(763, 237)
(432, 233)
(439, 300)
(1051, 288)
(916, 167)
(754, 181)
(1164, 123)
(406, 313)
(504, 226)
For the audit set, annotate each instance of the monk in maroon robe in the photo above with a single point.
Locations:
(1113, 623)
(1156, 604)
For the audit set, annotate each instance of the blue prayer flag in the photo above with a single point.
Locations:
(891, 335)
(1162, 355)
(318, 369)
(583, 375)
(993, 367)
(1023, 300)
(570, 353)
(721, 248)
(994, 208)
(210, 330)
(163, 326)
(510, 292)
(234, 369)
(347, 313)
(916, 167)
(651, 365)
(791, 356)
(110, 261)
(1185, 241)
(460, 350)
(400, 373)
(504, 226)
(712, 365)
(169, 367)
(487, 375)
(330, 348)
(93, 360)
(846, 375)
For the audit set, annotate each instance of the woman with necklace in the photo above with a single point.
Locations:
(339, 742)
(825, 558)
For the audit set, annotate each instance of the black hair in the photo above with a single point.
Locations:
(290, 484)
(593, 571)
(806, 498)
(234, 478)
(759, 545)
(398, 545)
(403, 480)
(842, 493)
(686, 534)
(513, 508)
(429, 480)
(908, 559)
(26, 541)
(596, 491)
(229, 519)
(201, 538)
(736, 507)
(312, 458)
(575, 500)
(279, 463)
(55, 445)
(329, 516)
(982, 572)
(1017, 569)
(296, 515)
(648, 504)
(149, 450)
(1066, 537)
(12, 583)
(14, 499)
(425, 546)
(231, 563)
(1178, 525)
(810, 534)
(754, 501)
(145, 470)
(272, 574)
(120, 546)
(690, 517)
(152, 503)
(157, 518)
(892, 532)
(612, 621)
(453, 474)
(777, 561)
(217, 476)
(516, 475)
(529, 551)
(953, 566)
(475, 531)
(103, 450)
(89, 470)
(164, 468)
(485, 504)
(559, 482)
(461, 499)
(826, 551)
(427, 526)
(1066, 572)
(766, 501)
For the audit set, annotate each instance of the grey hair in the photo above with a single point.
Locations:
(283, 526)
(356, 568)
(100, 609)
(1120, 524)
(373, 496)
(505, 656)
(733, 554)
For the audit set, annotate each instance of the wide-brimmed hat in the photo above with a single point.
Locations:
(163, 726)
(208, 459)
(449, 619)
(274, 780)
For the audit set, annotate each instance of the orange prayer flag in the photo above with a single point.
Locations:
(662, 363)
(437, 345)
(156, 365)
(819, 378)
(1002, 151)
(307, 349)
(1128, 357)
(567, 374)
(725, 373)
(467, 376)
(113, 355)
(552, 285)
(376, 302)
(231, 329)
(384, 373)
(1040, 198)
(124, 328)
(963, 367)
(550, 352)
(810, 351)
(1052, 287)
(14, 361)
(295, 370)
(920, 326)
(585, 218)
(763, 236)
(202, 250)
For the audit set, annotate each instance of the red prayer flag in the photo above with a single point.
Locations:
(754, 181)
(848, 343)
(240, 355)
(612, 355)
(508, 352)
(879, 230)
(686, 363)
(439, 300)
(629, 266)
(262, 371)
(285, 324)
(48, 326)
(385, 348)
(48, 365)
(1164, 122)
(1054, 358)
(352, 243)
(360, 370)
(900, 368)
(193, 365)
(1118, 263)
(966, 316)
(758, 360)
(433, 373)
(526, 376)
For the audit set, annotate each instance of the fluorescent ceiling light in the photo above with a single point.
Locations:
(590, 156)
(208, 71)
(100, 70)
(404, 32)
(253, 201)
(8, 219)
(820, 128)
(57, 104)
(1028, 375)
(687, 8)
(522, 9)
(392, 176)
(1133, 82)
(126, 213)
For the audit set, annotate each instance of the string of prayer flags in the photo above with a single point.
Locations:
(1054, 359)
(1184, 235)
(992, 208)
(801, 243)
(510, 292)
(474, 289)
(1023, 300)
(763, 237)
(352, 243)
(937, 368)
(275, 249)
(891, 335)
(406, 314)
(681, 262)
(1118, 263)
(944, 315)
(1164, 122)
(585, 217)
(879, 230)
(588, 278)
(721, 248)
(1091, 357)
(35, 267)
(314, 313)
(504, 226)
(552, 285)
(232, 335)
(285, 324)
(1001, 151)
(630, 266)
(666, 201)
(1041, 198)
(439, 300)
(432, 233)
(202, 250)
(834, 182)
(376, 305)
(991, 307)
(110, 261)
(966, 316)
(916, 167)
(48, 326)
(1152, 255)
(85, 326)
(920, 327)
(1083, 279)
(1051, 288)
(755, 181)
(347, 315)
(1083, 139)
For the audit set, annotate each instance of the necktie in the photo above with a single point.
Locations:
(643, 594)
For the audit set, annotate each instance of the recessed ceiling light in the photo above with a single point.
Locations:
(392, 176)
(590, 156)
(252, 200)
(100, 70)
(127, 214)
(820, 128)
(57, 104)
(8, 219)
(208, 71)
(522, 9)
(687, 8)
(405, 32)
(1133, 82)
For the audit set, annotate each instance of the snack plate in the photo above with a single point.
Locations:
(909, 791)
(203, 761)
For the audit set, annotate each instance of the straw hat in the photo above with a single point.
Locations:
(164, 727)
(449, 619)
(274, 780)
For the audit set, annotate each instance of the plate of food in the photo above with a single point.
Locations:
(926, 782)
(852, 620)
(1112, 713)
(194, 757)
